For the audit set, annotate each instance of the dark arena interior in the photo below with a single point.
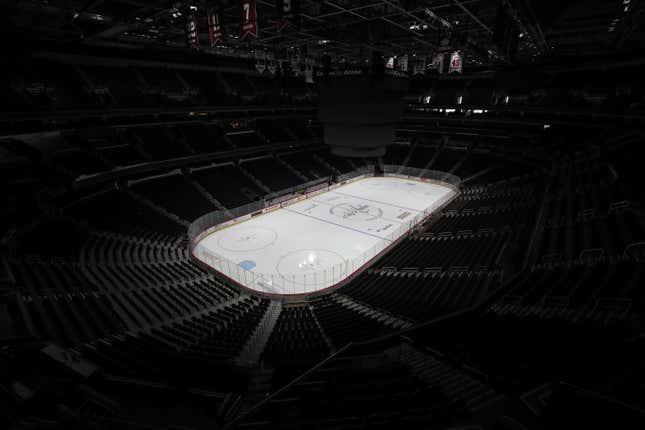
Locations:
(180, 249)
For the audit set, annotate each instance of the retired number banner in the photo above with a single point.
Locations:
(192, 36)
(249, 18)
(288, 12)
(455, 62)
(215, 28)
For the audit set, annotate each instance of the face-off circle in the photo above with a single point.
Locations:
(248, 239)
(300, 266)
(358, 212)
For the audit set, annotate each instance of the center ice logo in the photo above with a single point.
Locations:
(363, 212)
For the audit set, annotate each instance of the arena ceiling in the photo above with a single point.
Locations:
(350, 30)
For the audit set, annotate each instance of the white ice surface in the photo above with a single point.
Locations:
(317, 242)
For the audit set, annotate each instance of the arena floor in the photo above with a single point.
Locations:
(316, 243)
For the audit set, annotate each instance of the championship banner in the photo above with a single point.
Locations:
(249, 18)
(455, 62)
(288, 12)
(192, 36)
(215, 28)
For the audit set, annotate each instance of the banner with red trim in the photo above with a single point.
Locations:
(192, 35)
(249, 18)
(215, 30)
(455, 62)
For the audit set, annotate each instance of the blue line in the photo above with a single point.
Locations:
(338, 225)
(376, 201)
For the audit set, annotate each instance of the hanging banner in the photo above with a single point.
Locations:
(403, 63)
(295, 65)
(215, 30)
(272, 64)
(260, 61)
(390, 63)
(437, 63)
(309, 70)
(288, 13)
(192, 36)
(249, 18)
(455, 62)
(419, 66)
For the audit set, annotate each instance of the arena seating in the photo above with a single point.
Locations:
(219, 180)
(296, 336)
(156, 143)
(421, 156)
(272, 130)
(447, 251)
(243, 139)
(400, 386)
(421, 295)
(584, 352)
(342, 324)
(176, 194)
(494, 219)
(526, 286)
(307, 164)
(78, 162)
(589, 212)
(270, 172)
(579, 290)
(340, 164)
(119, 152)
(205, 93)
(116, 210)
(204, 138)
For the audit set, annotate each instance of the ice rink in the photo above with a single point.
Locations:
(316, 243)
